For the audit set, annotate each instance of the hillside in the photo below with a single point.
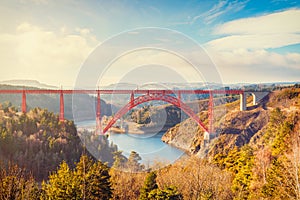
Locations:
(234, 127)
(259, 147)
(38, 142)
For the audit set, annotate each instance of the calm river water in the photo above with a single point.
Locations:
(148, 146)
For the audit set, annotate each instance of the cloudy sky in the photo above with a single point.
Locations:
(248, 41)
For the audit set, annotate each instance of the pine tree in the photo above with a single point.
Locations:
(281, 140)
(99, 186)
(94, 179)
(16, 184)
(169, 193)
(133, 162)
(62, 184)
(149, 185)
(119, 160)
(242, 179)
(240, 163)
(274, 186)
(89, 180)
(80, 173)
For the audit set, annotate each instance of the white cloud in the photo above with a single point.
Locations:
(222, 7)
(212, 13)
(246, 54)
(248, 58)
(276, 23)
(269, 31)
(244, 65)
(34, 53)
(255, 41)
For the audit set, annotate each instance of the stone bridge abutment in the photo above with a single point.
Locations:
(257, 97)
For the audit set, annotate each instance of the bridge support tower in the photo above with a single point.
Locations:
(61, 107)
(211, 112)
(257, 97)
(98, 114)
(243, 102)
(23, 101)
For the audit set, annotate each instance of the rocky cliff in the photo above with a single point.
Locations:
(232, 127)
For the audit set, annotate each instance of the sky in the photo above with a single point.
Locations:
(247, 41)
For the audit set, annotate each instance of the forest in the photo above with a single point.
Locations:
(42, 158)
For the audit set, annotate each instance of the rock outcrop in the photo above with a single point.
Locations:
(234, 127)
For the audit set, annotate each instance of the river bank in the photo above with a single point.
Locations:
(135, 128)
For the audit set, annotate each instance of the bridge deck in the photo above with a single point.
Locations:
(50, 91)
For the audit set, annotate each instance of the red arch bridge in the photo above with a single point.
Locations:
(169, 96)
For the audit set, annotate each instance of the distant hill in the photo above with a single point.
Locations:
(172, 86)
(201, 85)
(27, 83)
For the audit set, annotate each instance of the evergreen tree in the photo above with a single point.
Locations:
(243, 178)
(240, 163)
(281, 140)
(133, 162)
(62, 185)
(274, 177)
(119, 160)
(93, 178)
(89, 180)
(169, 193)
(98, 182)
(151, 191)
(149, 185)
(16, 184)
(81, 171)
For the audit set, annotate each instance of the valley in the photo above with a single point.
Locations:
(253, 154)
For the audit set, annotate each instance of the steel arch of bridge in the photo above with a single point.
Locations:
(154, 97)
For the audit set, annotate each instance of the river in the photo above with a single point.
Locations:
(149, 146)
